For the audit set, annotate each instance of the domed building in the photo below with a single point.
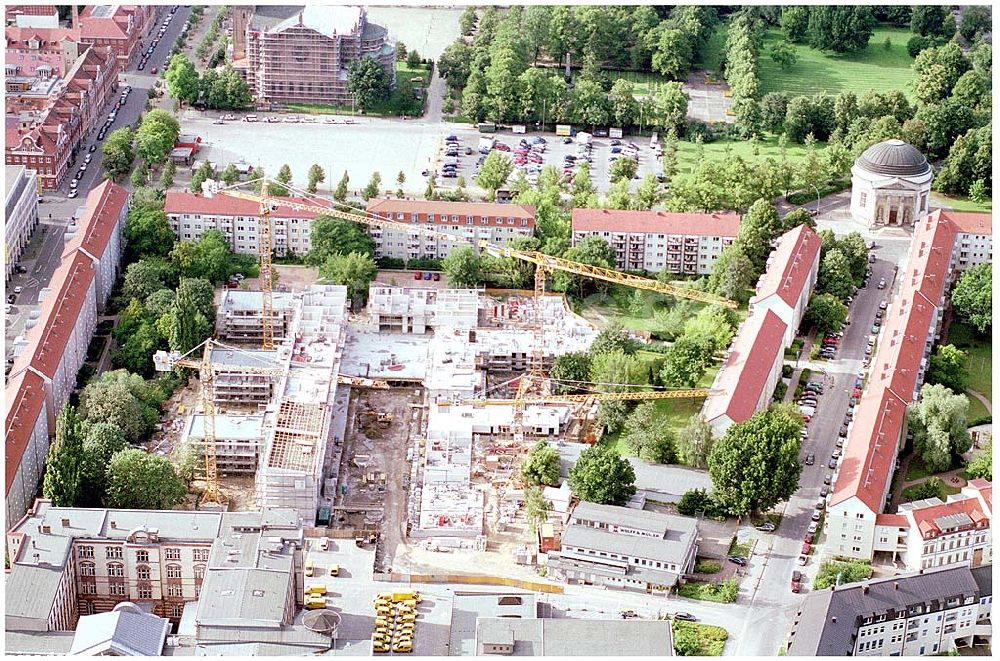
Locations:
(890, 185)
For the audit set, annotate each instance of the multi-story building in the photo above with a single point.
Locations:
(789, 278)
(54, 348)
(856, 524)
(20, 211)
(943, 533)
(67, 562)
(303, 55)
(752, 368)
(469, 222)
(32, 16)
(929, 613)
(33, 47)
(650, 241)
(118, 27)
(973, 238)
(239, 441)
(240, 318)
(190, 215)
(619, 547)
(417, 310)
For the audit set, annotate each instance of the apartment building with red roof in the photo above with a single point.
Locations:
(469, 222)
(651, 241)
(856, 525)
(26, 443)
(27, 44)
(99, 235)
(950, 532)
(751, 371)
(191, 215)
(118, 27)
(32, 16)
(790, 277)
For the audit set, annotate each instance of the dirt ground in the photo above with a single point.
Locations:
(295, 278)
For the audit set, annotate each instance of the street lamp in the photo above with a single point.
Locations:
(817, 197)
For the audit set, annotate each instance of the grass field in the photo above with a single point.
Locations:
(979, 365)
(946, 490)
(821, 71)
(960, 203)
(711, 639)
(687, 152)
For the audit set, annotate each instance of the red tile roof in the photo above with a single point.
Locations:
(452, 208)
(742, 379)
(790, 265)
(869, 457)
(969, 223)
(656, 222)
(50, 37)
(25, 394)
(926, 518)
(898, 520)
(113, 26)
(60, 313)
(98, 224)
(223, 205)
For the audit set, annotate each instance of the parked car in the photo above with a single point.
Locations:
(767, 526)
(810, 459)
(813, 527)
(685, 617)
(738, 560)
(806, 548)
(883, 305)
(832, 465)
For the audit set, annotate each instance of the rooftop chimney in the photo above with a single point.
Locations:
(65, 523)
(895, 585)
(864, 589)
(833, 619)
(114, 524)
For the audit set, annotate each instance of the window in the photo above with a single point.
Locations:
(145, 593)
(113, 551)
(172, 554)
(117, 589)
(175, 590)
(177, 610)
(201, 555)
(86, 551)
(89, 588)
(87, 569)
(116, 569)
(173, 571)
(142, 556)
(142, 573)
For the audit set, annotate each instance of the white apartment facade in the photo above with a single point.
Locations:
(469, 222)
(21, 210)
(651, 241)
(958, 531)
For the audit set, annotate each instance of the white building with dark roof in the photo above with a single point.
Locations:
(21, 212)
(890, 185)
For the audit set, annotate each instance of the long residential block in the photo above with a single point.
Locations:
(856, 524)
(789, 278)
(682, 243)
(21, 212)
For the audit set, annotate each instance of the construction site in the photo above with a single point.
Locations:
(402, 423)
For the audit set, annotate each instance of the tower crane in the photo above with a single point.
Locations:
(531, 382)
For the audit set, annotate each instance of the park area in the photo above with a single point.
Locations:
(815, 71)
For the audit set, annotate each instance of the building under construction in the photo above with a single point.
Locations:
(240, 318)
(239, 441)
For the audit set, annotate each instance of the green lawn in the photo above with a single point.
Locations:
(820, 71)
(960, 203)
(707, 591)
(979, 365)
(711, 639)
(687, 152)
(946, 490)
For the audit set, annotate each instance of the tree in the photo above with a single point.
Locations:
(969, 160)
(937, 71)
(147, 232)
(614, 337)
(938, 422)
(929, 20)
(494, 172)
(840, 28)
(368, 82)
(773, 108)
(601, 476)
(340, 194)
(156, 136)
(837, 573)
(797, 217)
(714, 323)
(140, 175)
(783, 55)
(63, 483)
(981, 465)
(354, 269)
(337, 236)
(373, 187)
(976, 20)
(201, 294)
(210, 257)
(948, 368)
(623, 104)
(695, 441)
(649, 441)
(687, 360)
(463, 268)
(795, 23)
(977, 191)
(124, 400)
(316, 176)
(230, 175)
(759, 226)
(413, 59)
(203, 173)
(467, 21)
(117, 153)
(167, 176)
(454, 64)
(101, 442)
(944, 123)
(972, 297)
(669, 106)
(569, 368)
(144, 277)
(188, 327)
(835, 275)
(733, 274)
(617, 371)
(536, 507)
(139, 480)
(972, 90)
(624, 169)
(672, 56)
(541, 465)
(668, 157)
(647, 195)
(825, 312)
(756, 463)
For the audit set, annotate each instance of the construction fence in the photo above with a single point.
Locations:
(469, 579)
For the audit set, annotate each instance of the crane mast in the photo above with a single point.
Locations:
(267, 302)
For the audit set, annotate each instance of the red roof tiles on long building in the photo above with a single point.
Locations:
(790, 265)
(104, 205)
(656, 222)
(223, 205)
(743, 377)
(968, 223)
(460, 209)
(25, 394)
(927, 518)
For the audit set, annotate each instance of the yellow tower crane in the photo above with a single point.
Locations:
(535, 378)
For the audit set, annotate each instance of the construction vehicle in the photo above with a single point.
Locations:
(533, 382)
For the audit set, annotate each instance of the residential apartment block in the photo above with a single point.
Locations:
(118, 27)
(32, 16)
(20, 212)
(650, 241)
(856, 524)
(239, 318)
(789, 278)
(469, 222)
(190, 215)
(929, 613)
(53, 349)
(619, 547)
(973, 238)
(68, 562)
(39, 49)
(292, 54)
